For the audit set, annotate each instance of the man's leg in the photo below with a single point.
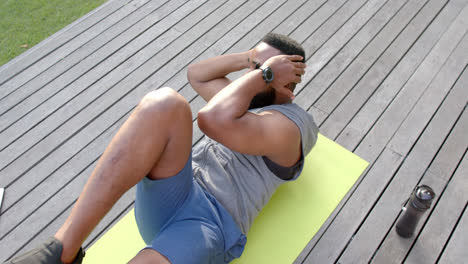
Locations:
(155, 141)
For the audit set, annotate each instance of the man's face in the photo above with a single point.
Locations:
(261, 53)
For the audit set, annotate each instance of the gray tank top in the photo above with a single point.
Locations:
(242, 183)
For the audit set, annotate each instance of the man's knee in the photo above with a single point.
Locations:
(165, 100)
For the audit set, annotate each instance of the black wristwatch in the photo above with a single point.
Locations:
(268, 75)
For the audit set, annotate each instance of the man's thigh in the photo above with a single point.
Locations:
(190, 242)
(158, 201)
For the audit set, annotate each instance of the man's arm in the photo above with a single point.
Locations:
(225, 117)
(208, 77)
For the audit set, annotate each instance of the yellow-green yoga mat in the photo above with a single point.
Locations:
(283, 228)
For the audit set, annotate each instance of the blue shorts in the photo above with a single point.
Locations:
(180, 220)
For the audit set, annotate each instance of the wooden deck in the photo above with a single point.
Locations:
(388, 80)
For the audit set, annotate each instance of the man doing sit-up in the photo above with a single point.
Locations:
(196, 206)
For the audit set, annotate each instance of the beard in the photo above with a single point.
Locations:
(263, 99)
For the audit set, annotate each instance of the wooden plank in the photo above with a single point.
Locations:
(89, 153)
(42, 49)
(80, 171)
(72, 146)
(400, 76)
(378, 174)
(302, 16)
(164, 73)
(230, 43)
(374, 63)
(395, 247)
(428, 38)
(50, 229)
(446, 211)
(386, 161)
(64, 50)
(384, 129)
(379, 224)
(326, 42)
(431, 240)
(59, 190)
(455, 100)
(340, 21)
(77, 167)
(42, 216)
(247, 28)
(240, 12)
(341, 229)
(456, 252)
(386, 209)
(247, 42)
(63, 90)
(368, 84)
(103, 226)
(319, 115)
(57, 124)
(415, 122)
(246, 32)
(50, 81)
(328, 19)
(356, 11)
(244, 43)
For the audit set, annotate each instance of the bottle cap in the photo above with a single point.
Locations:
(424, 196)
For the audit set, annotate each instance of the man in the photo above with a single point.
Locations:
(198, 208)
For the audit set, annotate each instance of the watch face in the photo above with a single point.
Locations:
(269, 74)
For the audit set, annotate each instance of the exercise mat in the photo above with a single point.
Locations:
(283, 228)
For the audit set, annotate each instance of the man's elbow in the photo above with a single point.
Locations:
(190, 72)
(205, 121)
(192, 75)
(211, 123)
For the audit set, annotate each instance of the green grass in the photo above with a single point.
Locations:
(24, 23)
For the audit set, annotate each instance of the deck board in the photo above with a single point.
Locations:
(361, 234)
(365, 48)
(450, 201)
(56, 134)
(94, 84)
(385, 79)
(322, 38)
(116, 37)
(453, 251)
(353, 87)
(62, 51)
(373, 230)
(376, 105)
(49, 45)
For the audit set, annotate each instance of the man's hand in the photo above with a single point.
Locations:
(287, 69)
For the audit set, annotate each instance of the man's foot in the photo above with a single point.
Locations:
(48, 252)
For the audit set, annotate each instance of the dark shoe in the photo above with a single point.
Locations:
(48, 252)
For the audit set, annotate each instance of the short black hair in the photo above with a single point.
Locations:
(284, 44)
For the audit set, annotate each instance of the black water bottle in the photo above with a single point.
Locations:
(419, 201)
